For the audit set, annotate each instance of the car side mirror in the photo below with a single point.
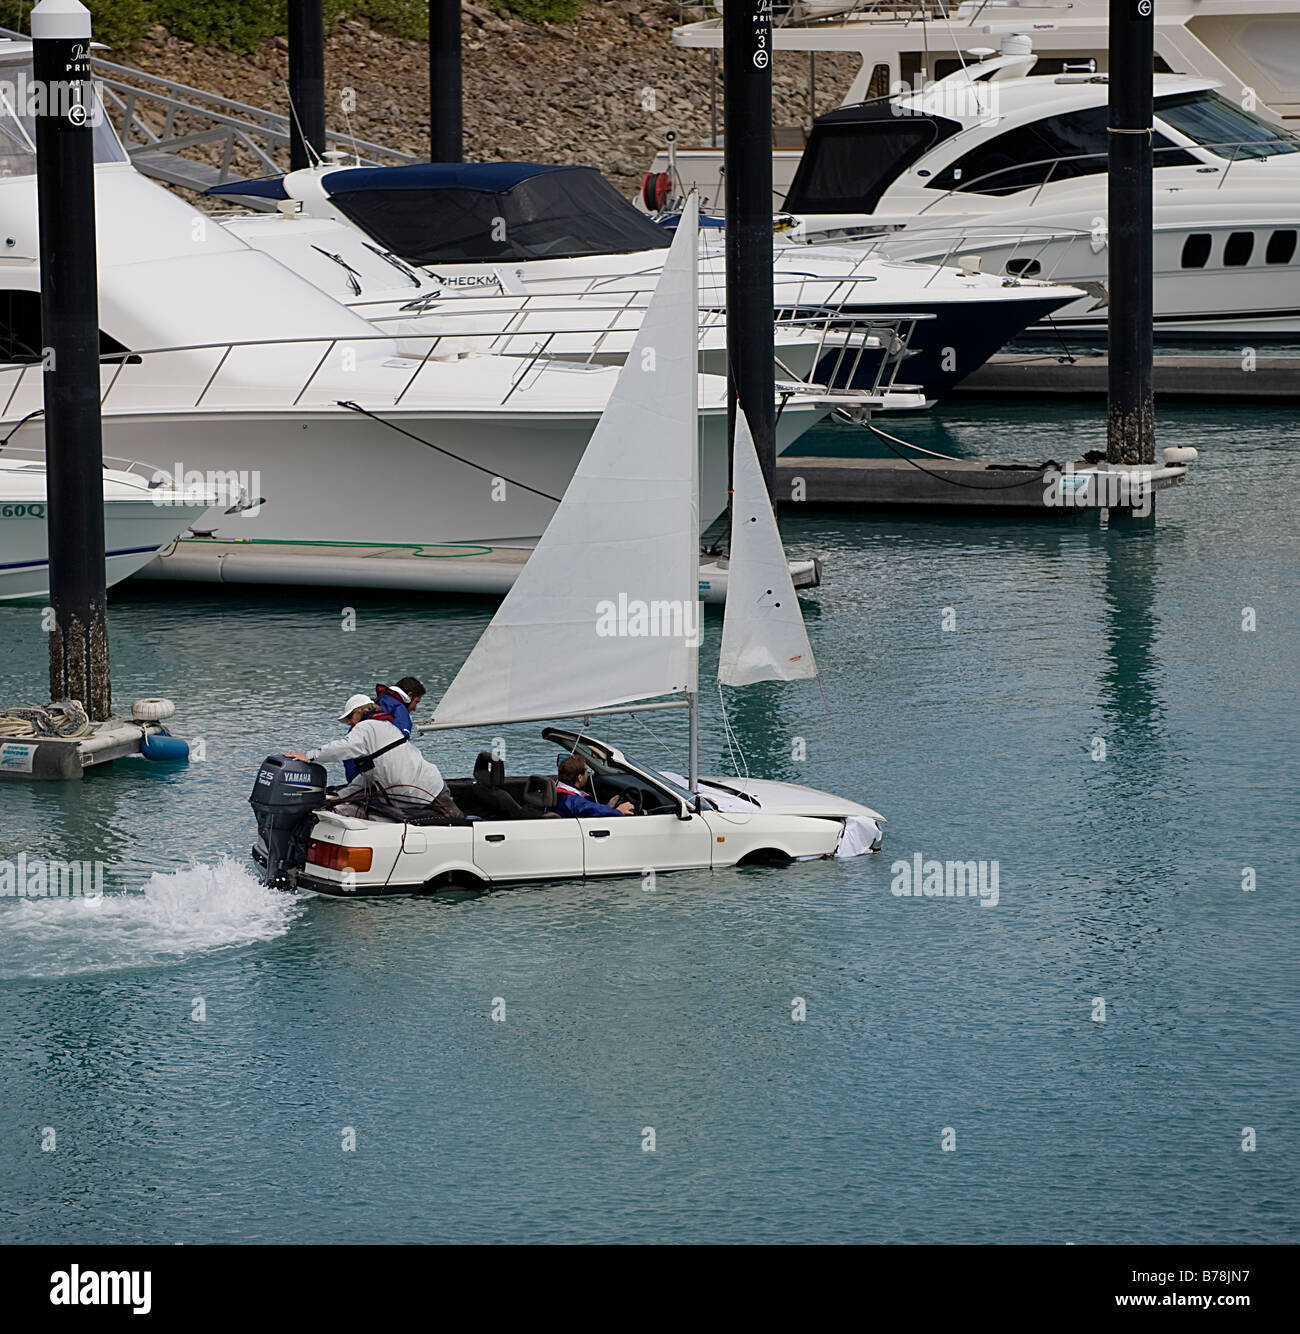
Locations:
(685, 811)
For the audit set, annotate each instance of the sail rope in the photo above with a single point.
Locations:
(891, 441)
(735, 750)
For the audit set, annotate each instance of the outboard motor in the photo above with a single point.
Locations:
(284, 797)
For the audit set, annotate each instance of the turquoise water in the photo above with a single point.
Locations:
(1120, 879)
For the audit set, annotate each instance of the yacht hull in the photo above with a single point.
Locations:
(414, 477)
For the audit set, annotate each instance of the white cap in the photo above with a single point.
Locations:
(60, 19)
(354, 703)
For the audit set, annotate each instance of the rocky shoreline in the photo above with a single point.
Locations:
(601, 90)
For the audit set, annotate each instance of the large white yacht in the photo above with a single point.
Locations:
(220, 361)
(995, 163)
(520, 243)
(1250, 47)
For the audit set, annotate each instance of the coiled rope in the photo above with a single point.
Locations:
(66, 720)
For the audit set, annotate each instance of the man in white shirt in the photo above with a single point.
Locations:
(386, 763)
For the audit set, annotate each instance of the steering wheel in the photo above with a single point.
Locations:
(636, 796)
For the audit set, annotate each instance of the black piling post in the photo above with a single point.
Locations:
(65, 189)
(747, 159)
(306, 83)
(1130, 417)
(446, 143)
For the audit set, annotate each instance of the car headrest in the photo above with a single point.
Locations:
(482, 766)
(539, 792)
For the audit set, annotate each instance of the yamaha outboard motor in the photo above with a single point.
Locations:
(284, 796)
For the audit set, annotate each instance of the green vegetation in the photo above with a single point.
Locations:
(241, 25)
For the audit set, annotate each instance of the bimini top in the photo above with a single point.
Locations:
(441, 213)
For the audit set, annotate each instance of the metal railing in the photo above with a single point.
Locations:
(834, 331)
(187, 137)
(829, 13)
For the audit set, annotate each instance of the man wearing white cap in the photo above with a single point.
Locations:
(386, 762)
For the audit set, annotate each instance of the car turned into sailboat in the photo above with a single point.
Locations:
(614, 572)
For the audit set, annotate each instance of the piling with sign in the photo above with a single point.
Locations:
(1130, 417)
(747, 153)
(65, 183)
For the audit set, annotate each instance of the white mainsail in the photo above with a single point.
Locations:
(606, 611)
(763, 634)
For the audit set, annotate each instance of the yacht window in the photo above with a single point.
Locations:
(18, 126)
(1224, 128)
(1024, 268)
(850, 163)
(1240, 247)
(1196, 250)
(1281, 248)
(20, 330)
(1056, 148)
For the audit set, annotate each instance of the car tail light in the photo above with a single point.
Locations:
(335, 857)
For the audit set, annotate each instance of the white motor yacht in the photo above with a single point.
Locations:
(1007, 170)
(141, 518)
(1250, 47)
(537, 240)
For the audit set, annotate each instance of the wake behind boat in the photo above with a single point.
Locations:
(622, 538)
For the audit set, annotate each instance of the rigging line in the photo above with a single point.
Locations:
(21, 422)
(921, 449)
(302, 134)
(741, 764)
(469, 463)
(654, 736)
(952, 481)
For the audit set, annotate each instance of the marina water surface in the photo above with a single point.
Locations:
(767, 1054)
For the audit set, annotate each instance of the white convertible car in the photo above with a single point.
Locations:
(517, 837)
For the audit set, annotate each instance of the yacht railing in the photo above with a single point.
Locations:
(831, 13)
(1028, 244)
(833, 330)
(116, 462)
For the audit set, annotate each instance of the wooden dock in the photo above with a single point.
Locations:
(483, 570)
(1248, 378)
(952, 486)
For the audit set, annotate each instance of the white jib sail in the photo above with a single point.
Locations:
(763, 634)
(606, 611)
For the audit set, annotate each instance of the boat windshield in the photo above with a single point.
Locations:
(18, 125)
(437, 213)
(1222, 127)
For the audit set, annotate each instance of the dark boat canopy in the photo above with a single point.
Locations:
(445, 213)
(856, 153)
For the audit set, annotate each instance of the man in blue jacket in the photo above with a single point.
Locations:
(569, 800)
(396, 704)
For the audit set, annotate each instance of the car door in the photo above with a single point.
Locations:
(631, 844)
(528, 849)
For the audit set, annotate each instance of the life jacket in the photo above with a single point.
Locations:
(351, 768)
